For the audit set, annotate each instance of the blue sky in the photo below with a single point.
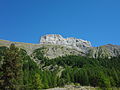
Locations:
(97, 21)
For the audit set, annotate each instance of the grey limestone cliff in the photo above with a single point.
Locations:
(55, 39)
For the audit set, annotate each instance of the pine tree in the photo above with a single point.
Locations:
(37, 84)
(68, 78)
(86, 79)
(12, 69)
(45, 80)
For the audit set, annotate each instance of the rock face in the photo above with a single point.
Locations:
(53, 51)
(54, 39)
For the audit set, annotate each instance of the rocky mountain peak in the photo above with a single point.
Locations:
(56, 39)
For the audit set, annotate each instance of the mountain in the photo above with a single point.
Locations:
(59, 62)
(55, 46)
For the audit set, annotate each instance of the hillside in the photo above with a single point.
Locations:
(38, 72)
(50, 51)
(56, 45)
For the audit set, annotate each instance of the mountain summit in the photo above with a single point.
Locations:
(56, 39)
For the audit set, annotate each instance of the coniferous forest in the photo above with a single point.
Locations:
(20, 71)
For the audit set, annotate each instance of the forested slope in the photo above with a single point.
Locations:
(20, 70)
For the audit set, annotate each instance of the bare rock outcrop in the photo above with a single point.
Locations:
(55, 39)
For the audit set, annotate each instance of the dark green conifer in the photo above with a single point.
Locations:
(12, 69)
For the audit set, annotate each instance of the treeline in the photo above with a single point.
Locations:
(101, 72)
(88, 71)
(20, 71)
